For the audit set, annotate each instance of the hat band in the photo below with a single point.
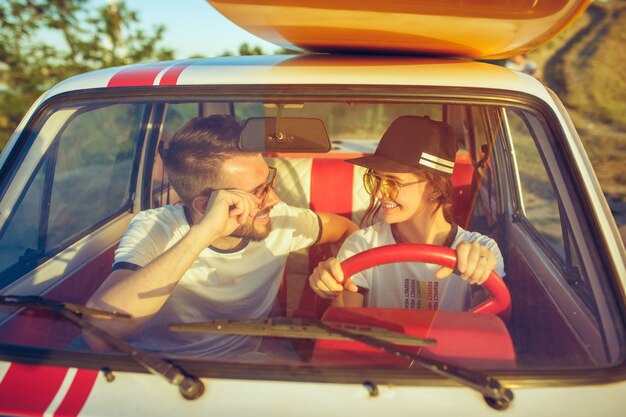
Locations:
(437, 163)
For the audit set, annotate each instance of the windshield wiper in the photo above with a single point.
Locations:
(298, 329)
(494, 393)
(190, 386)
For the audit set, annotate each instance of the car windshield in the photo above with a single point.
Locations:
(99, 164)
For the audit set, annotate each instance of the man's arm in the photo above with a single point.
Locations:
(335, 228)
(143, 292)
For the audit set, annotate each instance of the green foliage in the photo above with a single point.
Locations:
(45, 41)
(245, 49)
(584, 66)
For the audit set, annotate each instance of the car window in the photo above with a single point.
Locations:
(538, 196)
(564, 292)
(175, 117)
(20, 239)
(85, 176)
(343, 121)
(509, 183)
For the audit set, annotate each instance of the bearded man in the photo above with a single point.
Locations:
(220, 254)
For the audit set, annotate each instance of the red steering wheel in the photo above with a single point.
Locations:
(500, 301)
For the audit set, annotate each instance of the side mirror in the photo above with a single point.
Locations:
(284, 134)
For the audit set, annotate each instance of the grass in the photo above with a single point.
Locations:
(586, 66)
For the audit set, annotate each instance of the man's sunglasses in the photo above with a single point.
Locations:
(262, 192)
(388, 187)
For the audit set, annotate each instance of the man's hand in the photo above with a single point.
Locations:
(474, 261)
(226, 210)
(327, 280)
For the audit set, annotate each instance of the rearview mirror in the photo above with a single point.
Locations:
(284, 134)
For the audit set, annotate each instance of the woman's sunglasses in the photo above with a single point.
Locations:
(388, 187)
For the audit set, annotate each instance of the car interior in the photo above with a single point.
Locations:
(505, 186)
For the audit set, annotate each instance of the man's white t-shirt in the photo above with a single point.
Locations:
(242, 283)
(412, 285)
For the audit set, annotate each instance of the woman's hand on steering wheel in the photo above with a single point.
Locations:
(499, 303)
(474, 261)
(327, 280)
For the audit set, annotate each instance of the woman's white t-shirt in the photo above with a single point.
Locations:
(412, 285)
(242, 283)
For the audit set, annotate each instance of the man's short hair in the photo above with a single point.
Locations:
(195, 154)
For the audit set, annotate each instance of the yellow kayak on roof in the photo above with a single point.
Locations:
(485, 29)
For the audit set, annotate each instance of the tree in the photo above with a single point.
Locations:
(245, 49)
(85, 40)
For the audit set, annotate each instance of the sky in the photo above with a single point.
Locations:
(193, 27)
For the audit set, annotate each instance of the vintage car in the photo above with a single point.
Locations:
(548, 339)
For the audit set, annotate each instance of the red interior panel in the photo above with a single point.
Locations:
(465, 339)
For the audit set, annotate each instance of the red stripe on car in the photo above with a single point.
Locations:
(136, 77)
(171, 75)
(77, 394)
(28, 390)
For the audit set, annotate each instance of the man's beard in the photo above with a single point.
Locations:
(249, 232)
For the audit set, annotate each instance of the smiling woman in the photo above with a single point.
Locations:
(419, 153)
